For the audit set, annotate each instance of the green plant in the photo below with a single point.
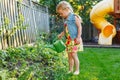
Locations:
(32, 62)
(3, 75)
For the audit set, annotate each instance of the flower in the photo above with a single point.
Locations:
(65, 24)
(75, 42)
(68, 42)
(75, 48)
(68, 37)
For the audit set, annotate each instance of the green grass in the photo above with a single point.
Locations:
(98, 64)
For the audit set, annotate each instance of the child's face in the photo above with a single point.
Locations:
(63, 12)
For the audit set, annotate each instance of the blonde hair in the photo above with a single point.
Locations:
(64, 5)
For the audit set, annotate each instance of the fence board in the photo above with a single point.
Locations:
(35, 16)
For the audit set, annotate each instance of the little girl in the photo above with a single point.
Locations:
(72, 32)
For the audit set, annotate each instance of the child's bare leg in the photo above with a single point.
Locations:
(76, 60)
(71, 62)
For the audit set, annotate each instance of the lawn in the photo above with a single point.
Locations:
(39, 63)
(98, 64)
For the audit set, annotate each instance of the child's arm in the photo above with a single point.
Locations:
(61, 35)
(79, 26)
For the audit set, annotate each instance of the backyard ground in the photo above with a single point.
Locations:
(39, 63)
(98, 64)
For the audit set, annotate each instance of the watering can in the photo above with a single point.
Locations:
(58, 46)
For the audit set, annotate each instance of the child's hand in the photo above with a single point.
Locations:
(77, 40)
(59, 36)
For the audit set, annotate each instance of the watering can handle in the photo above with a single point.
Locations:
(55, 39)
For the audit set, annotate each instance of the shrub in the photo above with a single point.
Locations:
(32, 62)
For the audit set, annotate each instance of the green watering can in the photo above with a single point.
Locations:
(58, 46)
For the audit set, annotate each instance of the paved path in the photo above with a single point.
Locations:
(100, 46)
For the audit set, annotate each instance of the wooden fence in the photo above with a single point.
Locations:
(20, 22)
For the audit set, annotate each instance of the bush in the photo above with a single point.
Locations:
(32, 62)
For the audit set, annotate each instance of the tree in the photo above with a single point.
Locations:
(81, 7)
